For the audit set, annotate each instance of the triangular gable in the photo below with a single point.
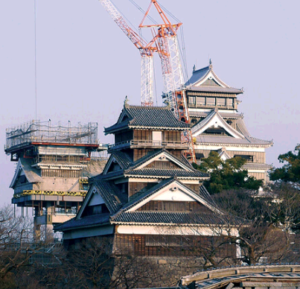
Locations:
(210, 82)
(24, 168)
(112, 161)
(164, 156)
(92, 191)
(210, 76)
(100, 193)
(214, 119)
(124, 116)
(172, 191)
(224, 156)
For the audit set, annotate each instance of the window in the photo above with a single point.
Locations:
(221, 101)
(230, 102)
(156, 137)
(199, 156)
(200, 101)
(210, 101)
(192, 100)
(249, 158)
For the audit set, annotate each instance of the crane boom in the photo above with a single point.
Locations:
(146, 52)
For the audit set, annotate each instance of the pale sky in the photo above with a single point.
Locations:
(86, 65)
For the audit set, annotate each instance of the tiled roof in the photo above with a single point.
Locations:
(138, 197)
(168, 218)
(220, 89)
(198, 75)
(153, 154)
(241, 127)
(166, 173)
(149, 117)
(122, 158)
(226, 115)
(83, 222)
(212, 139)
(204, 194)
(110, 195)
(108, 175)
(224, 139)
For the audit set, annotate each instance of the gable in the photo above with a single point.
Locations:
(19, 177)
(210, 78)
(173, 192)
(94, 204)
(210, 82)
(96, 199)
(164, 160)
(163, 165)
(215, 121)
(112, 165)
(174, 206)
(124, 116)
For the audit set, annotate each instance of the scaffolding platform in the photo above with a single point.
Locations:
(45, 133)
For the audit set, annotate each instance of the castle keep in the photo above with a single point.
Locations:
(217, 124)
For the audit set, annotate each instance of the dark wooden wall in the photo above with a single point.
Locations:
(134, 188)
(163, 165)
(173, 206)
(174, 246)
(123, 136)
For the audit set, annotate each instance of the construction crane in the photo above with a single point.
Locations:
(146, 51)
(165, 43)
(168, 49)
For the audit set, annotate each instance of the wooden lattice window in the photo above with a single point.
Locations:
(200, 100)
(210, 101)
(221, 101)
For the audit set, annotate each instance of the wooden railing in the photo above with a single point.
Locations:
(150, 143)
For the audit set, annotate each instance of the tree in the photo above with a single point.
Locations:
(290, 171)
(15, 248)
(225, 175)
(92, 264)
(268, 222)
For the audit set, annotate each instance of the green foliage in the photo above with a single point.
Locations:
(290, 172)
(226, 175)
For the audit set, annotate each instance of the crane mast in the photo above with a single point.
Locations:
(146, 52)
(168, 49)
(165, 43)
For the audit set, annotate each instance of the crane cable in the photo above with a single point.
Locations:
(35, 60)
(142, 11)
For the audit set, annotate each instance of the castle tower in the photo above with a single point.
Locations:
(53, 166)
(148, 195)
(218, 125)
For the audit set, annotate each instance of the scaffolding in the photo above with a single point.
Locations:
(46, 132)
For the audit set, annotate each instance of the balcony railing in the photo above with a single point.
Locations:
(193, 105)
(150, 143)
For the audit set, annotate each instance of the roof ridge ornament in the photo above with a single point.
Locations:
(210, 64)
(126, 102)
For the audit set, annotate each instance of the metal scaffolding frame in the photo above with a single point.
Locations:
(46, 132)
